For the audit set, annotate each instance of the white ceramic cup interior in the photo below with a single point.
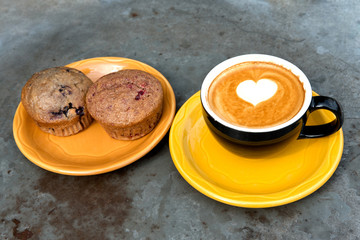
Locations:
(252, 58)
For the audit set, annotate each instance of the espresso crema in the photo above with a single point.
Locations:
(256, 95)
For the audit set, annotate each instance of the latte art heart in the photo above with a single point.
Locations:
(256, 92)
(247, 94)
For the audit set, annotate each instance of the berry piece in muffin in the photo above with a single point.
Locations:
(55, 99)
(127, 104)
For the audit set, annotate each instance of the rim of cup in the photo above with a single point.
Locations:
(255, 58)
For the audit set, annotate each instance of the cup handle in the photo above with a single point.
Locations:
(328, 103)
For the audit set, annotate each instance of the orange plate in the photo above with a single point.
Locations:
(253, 177)
(91, 151)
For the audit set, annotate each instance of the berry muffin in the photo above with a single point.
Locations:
(55, 99)
(127, 104)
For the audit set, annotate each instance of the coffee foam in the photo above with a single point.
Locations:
(256, 92)
(268, 106)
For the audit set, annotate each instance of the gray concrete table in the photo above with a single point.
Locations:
(183, 40)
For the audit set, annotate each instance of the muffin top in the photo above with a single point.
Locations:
(125, 97)
(55, 94)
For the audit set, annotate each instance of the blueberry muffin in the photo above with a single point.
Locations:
(55, 99)
(127, 104)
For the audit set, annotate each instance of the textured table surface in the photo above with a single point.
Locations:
(183, 40)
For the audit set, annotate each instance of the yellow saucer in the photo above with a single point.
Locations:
(252, 177)
(91, 151)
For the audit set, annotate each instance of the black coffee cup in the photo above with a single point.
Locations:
(269, 135)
